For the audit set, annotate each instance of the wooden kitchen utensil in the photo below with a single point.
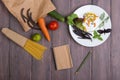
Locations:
(62, 57)
(35, 49)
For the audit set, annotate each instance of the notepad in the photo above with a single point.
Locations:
(62, 57)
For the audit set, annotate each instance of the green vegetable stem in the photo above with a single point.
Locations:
(84, 60)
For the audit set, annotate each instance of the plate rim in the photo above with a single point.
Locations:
(91, 45)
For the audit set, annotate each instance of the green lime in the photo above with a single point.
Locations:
(36, 37)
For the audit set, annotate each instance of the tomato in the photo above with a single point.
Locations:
(53, 25)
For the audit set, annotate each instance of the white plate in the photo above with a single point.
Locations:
(98, 11)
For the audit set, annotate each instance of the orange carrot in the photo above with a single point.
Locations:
(41, 23)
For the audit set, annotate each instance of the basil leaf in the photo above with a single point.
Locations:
(95, 33)
(102, 16)
(100, 38)
(97, 36)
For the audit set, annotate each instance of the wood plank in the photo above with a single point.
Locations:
(115, 46)
(60, 37)
(16, 64)
(20, 60)
(78, 51)
(101, 55)
(41, 70)
(4, 44)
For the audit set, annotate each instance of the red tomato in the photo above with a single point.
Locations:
(53, 25)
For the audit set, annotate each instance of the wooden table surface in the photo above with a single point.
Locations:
(104, 64)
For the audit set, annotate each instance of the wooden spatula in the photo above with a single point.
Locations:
(35, 49)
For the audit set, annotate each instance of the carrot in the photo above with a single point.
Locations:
(41, 23)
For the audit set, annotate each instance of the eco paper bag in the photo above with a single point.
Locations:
(62, 57)
(29, 9)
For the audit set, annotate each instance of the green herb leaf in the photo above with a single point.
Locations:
(95, 33)
(70, 19)
(102, 16)
(101, 24)
(106, 19)
(100, 38)
(97, 36)
(80, 25)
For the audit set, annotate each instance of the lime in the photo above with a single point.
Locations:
(36, 37)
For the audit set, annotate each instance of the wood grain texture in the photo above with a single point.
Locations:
(41, 70)
(60, 37)
(78, 51)
(15, 37)
(115, 46)
(4, 44)
(101, 56)
(20, 60)
(104, 64)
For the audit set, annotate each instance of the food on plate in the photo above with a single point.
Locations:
(102, 16)
(53, 25)
(82, 34)
(94, 24)
(89, 18)
(36, 37)
(73, 20)
(103, 22)
(79, 23)
(104, 31)
(106, 19)
(97, 36)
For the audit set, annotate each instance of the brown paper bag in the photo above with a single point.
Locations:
(63, 57)
(36, 8)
